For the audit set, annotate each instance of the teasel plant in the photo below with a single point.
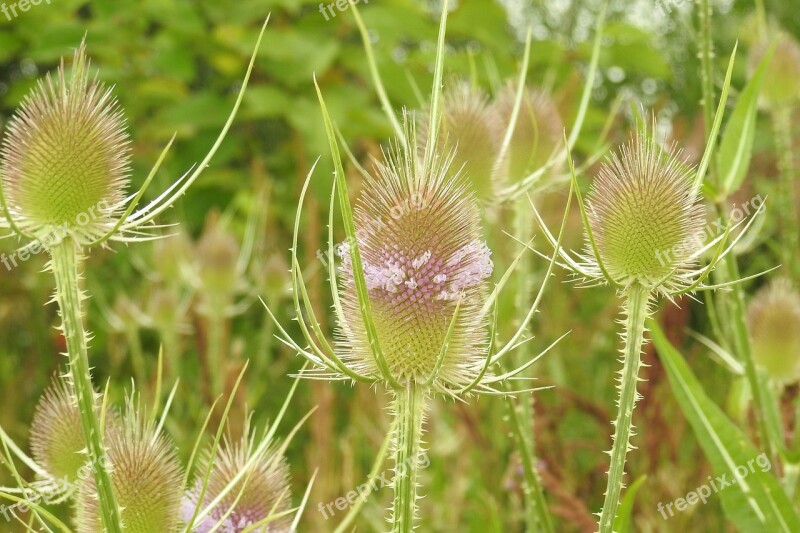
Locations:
(645, 232)
(65, 171)
(411, 296)
(780, 98)
(218, 276)
(501, 146)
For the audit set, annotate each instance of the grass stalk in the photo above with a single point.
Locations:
(636, 309)
(65, 265)
(409, 408)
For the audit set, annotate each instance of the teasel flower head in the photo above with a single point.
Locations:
(645, 224)
(783, 72)
(537, 135)
(65, 165)
(261, 493)
(217, 257)
(415, 307)
(472, 132)
(146, 477)
(774, 320)
(57, 440)
(66, 157)
(422, 253)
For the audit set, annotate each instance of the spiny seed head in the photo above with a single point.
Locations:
(66, 159)
(644, 214)
(262, 492)
(537, 134)
(217, 255)
(57, 441)
(781, 86)
(471, 130)
(418, 233)
(146, 477)
(774, 320)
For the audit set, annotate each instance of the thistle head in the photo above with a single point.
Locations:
(418, 234)
(645, 215)
(537, 133)
(65, 158)
(783, 88)
(146, 476)
(262, 492)
(472, 132)
(57, 441)
(217, 255)
(774, 320)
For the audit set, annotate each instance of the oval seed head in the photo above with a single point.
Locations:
(66, 159)
(774, 319)
(217, 256)
(419, 238)
(57, 441)
(146, 477)
(782, 77)
(262, 492)
(645, 217)
(471, 130)
(537, 134)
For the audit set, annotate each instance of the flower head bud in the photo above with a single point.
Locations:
(419, 238)
(774, 319)
(66, 159)
(471, 130)
(645, 215)
(57, 441)
(537, 134)
(782, 87)
(217, 256)
(147, 481)
(262, 492)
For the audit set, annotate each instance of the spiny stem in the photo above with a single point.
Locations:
(521, 410)
(636, 308)
(409, 409)
(65, 265)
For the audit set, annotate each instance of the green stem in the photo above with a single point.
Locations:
(741, 340)
(521, 410)
(409, 409)
(636, 309)
(216, 335)
(787, 206)
(707, 68)
(65, 265)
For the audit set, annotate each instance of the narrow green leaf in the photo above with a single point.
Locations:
(623, 522)
(736, 147)
(752, 498)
